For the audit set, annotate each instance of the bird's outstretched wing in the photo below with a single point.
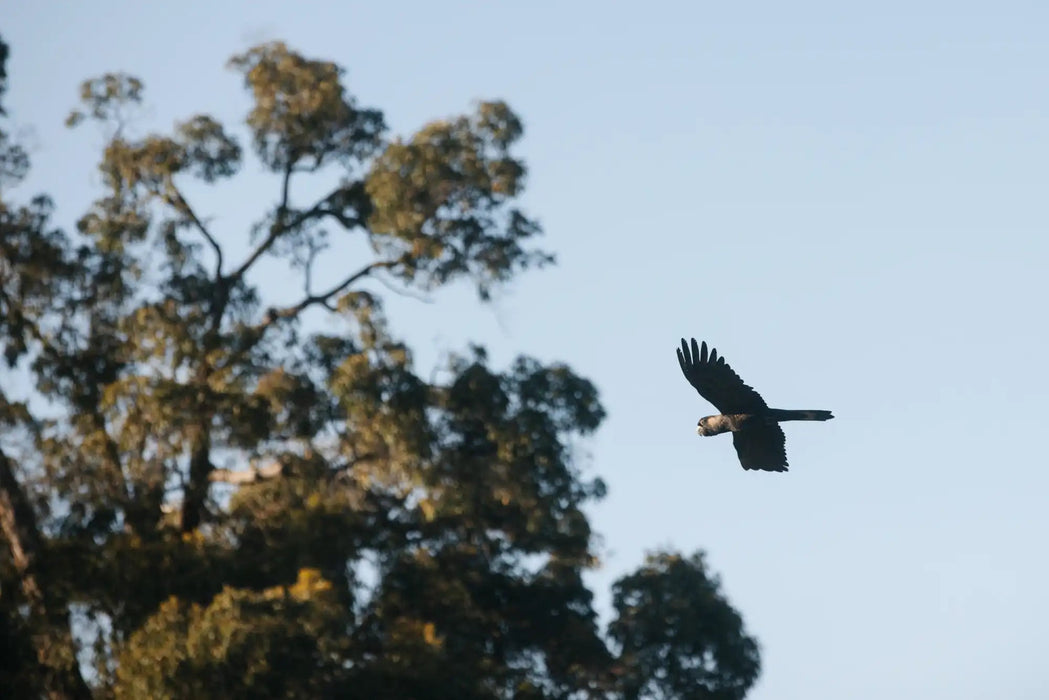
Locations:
(761, 446)
(716, 381)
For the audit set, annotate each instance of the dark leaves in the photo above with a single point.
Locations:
(209, 152)
(110, 98)
(678, 635)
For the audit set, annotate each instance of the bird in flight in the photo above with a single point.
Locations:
(756, 434)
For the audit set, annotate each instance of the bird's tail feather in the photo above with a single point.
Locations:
(780, 414)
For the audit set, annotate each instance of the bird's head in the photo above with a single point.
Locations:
(704, 428)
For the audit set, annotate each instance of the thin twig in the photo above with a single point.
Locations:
(313, 299)
(403, 292)
(281, 226)
(276, 231)
(341, 286)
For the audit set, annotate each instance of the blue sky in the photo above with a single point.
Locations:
(847, 200)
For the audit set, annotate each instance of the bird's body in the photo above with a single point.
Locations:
(756, 435)
(715, 425)
(735, 422)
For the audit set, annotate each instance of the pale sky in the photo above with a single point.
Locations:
(847, 199)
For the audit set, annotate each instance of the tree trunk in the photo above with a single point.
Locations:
(52, 636)
(199, 470)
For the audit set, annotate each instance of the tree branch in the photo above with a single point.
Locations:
(246, 476)
(274, 470)
(273, 315)
(278, 226)
(281, 226)
(181, 205)
(285, 191)
(324, 298)
(404, 292)
(196, 491)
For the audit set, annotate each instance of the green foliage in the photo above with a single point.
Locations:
(284, 641)
(239, 507)
(302, 116)
(441, 199)
(678, 635)
(14, 161)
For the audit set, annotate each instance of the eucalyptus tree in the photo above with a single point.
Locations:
(206, 496)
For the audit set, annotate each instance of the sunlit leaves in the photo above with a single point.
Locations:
(284, 641)
(302, 116)
(443, 196)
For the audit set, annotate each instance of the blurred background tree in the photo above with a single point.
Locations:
(204, 498)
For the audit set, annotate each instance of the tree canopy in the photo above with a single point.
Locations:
(203, 496)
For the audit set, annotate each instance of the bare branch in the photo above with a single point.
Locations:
(324, 298)
(275, 470)
(404, 292)
(18, 524)
(285, 192)
(314, 249)
(178, 201)
(273, 315)
(281, 226)
(275, 232)
(278, 226)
